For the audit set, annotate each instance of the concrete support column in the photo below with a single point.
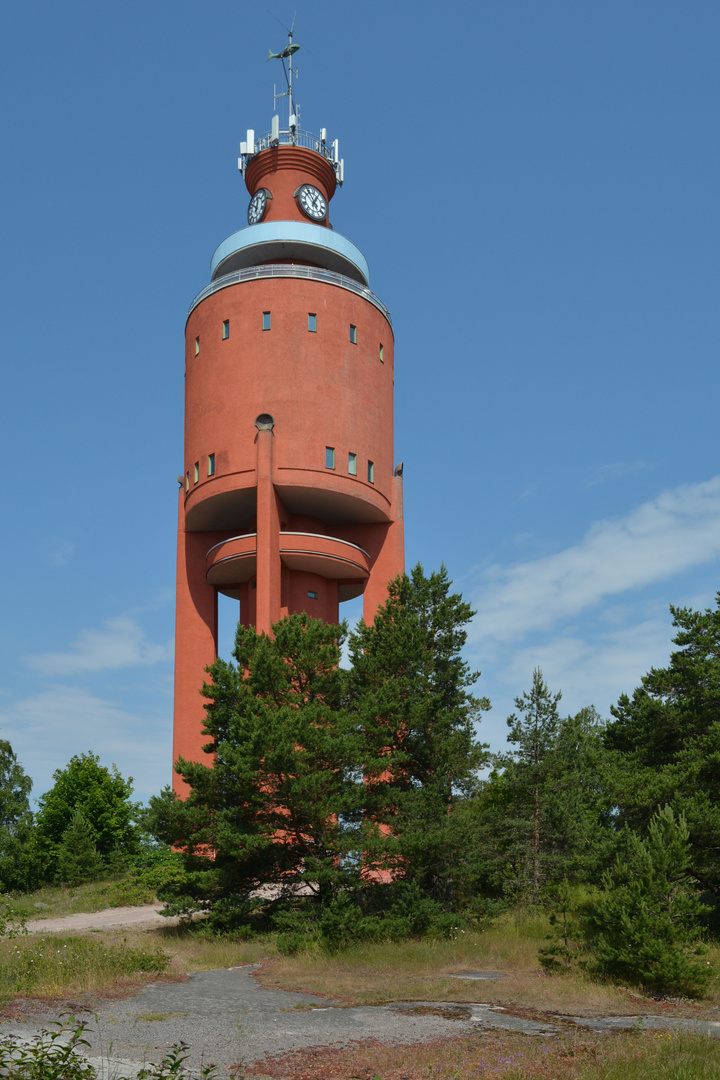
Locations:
(269, 577)
(195, 646)
(389, 561)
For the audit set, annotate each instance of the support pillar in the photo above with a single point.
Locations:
(195, 646)
(269, 570)
(390, 558)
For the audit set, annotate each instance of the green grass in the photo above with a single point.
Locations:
(54, 966)
(129, 889)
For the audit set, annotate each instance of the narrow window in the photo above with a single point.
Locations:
(197, 471)
(312, 322)
(353, 334)
(211, 464)
(226, 329)
(197, 345)
(312, 595)
(382, 355)
(187, 481)
(352, 464)
(253, 584)
(371, 472)
(329, 457)
(266, 320)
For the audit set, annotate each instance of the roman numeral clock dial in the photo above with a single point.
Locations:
(312, 202)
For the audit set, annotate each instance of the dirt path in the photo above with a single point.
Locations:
(145, 915)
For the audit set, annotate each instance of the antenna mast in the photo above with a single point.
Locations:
(289, 71)
(293, 136)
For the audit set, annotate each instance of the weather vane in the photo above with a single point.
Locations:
(287, 54)
(293, 135)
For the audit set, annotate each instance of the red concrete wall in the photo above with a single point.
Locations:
(321, 390)
(282, 170)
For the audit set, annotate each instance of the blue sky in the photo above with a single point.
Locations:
(534, 185)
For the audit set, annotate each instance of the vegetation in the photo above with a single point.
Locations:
(335, 792)
(644, 927)
(500, 1056)
(58, 1055)
(664, 743)
(88, 806)
(17, 855)
(40, 968)
(344, 810)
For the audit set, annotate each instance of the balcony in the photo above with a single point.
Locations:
(234, 561)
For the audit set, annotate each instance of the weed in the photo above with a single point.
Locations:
(149, 1017)
(495, 1056)
(57, 1055)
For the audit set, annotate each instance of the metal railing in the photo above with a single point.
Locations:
(296, 137)
(286, 270)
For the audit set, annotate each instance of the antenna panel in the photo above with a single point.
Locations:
(275, 128)
(335, 151)
(250, 142)
(323, 135)
(240, 164)
(341, 171)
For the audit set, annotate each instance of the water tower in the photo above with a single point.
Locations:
(290, 499)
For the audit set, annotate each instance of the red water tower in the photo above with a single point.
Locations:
(290, 500)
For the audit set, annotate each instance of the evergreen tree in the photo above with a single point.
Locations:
(544, 813)
(645, 928)
(411, 692)
(17, 853)
(534, 733)
(77, 859)
(665, 742)
(103, 797)
(354, 785)
(280, 803)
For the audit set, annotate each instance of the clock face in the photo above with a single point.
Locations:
(312, 202)
(257, 207)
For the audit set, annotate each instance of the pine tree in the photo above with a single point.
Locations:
(280, 803)
(533, 731)
(544, 813)
(645, 928)
(411, 692)
(665, 742)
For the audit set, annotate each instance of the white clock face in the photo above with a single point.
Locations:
(257, 207)
(312, 202)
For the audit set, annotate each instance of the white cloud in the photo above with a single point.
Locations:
(119, 643)
(676, 531)
(616, 471)
(47, 728)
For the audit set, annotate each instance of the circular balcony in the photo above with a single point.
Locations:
(294, 241)
(234, 561)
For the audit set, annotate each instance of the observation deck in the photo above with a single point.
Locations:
(234, 561)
